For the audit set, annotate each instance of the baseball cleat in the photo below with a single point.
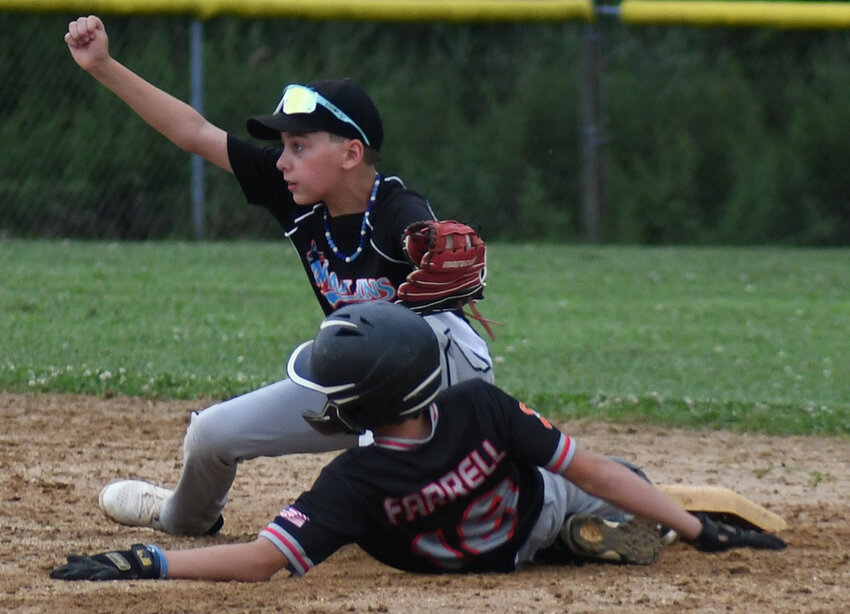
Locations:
(634, 541)
(138, 504)
(134, 503)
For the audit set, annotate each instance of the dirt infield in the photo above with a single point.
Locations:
(57, 451)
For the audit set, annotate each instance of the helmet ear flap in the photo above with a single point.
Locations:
(332, 422)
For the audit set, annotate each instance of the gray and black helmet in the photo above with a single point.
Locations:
(377, 362)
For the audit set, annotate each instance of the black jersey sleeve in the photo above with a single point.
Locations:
(256, 171)
(528, 436)
(400, 209)
(302, 541)
(415, 209)
(321, 521)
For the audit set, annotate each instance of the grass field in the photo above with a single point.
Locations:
(746, 339)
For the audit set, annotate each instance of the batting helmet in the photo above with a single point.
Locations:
(377, 362)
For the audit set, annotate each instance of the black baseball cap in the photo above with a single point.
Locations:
(339, 106)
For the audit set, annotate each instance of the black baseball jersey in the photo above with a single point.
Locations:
(464, 499)
(378, 270)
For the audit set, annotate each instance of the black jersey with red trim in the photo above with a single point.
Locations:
(464, 499)
(378, 270)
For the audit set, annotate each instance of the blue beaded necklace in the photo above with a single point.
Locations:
(363, 226)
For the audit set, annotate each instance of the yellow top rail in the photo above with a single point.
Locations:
(718, 13)
(788, 15)
(344, 10)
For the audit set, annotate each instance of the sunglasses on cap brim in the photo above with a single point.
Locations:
(301, 99)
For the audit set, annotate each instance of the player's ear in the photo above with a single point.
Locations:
(353, 154)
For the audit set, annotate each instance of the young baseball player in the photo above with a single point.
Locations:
(467, 480)
(349, 225)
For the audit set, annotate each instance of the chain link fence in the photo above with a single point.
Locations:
(76, 162)
(703, 135)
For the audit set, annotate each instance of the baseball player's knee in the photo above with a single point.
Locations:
(208, 436)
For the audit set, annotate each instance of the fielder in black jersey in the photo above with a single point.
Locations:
(346, 221)
(377, 271)
(468, 479)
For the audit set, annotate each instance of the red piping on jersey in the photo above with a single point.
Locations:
(557, 465)
(304, 563)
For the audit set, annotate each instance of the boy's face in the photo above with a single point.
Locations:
(312, 165)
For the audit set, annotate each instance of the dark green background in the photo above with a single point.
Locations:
(709, 136)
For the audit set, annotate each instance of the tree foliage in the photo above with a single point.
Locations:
(709, 135)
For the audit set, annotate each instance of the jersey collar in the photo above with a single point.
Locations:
(402, 443)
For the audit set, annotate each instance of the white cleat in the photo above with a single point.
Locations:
(133, 503)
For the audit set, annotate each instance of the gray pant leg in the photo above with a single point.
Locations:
(579, 502)
(463, 353)
(265, 422)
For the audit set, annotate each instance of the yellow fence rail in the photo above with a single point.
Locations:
(351, 10)
(783, 15)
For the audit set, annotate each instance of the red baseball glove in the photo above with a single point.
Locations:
(450, 267)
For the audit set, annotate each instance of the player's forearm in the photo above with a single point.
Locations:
(249, 562)
(176, 120)
(609, 480)
(635, 495)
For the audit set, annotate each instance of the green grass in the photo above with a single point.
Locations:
(746, 339)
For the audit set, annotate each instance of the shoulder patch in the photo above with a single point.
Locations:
(294, 515)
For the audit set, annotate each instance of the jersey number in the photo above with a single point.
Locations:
(488, 522)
